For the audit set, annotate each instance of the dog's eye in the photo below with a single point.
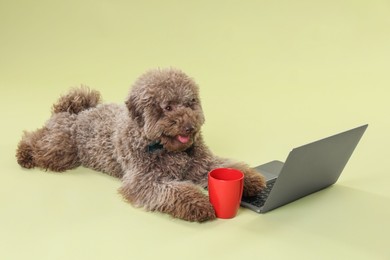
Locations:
(192, 103)
(168, 108)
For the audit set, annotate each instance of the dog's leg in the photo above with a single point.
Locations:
(52, 147)
(25, 150)
(179, 199)
(254, 182)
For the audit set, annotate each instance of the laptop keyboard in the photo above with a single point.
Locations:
(260, 198)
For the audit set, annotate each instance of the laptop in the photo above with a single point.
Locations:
(308, 169)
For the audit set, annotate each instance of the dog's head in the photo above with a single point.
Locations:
(165, 104)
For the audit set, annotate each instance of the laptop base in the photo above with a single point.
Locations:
(270, 171)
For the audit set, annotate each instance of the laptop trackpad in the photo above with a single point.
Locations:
(270, 170)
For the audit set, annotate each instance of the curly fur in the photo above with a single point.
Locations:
(163, 107)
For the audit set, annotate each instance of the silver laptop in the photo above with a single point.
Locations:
(307, 169)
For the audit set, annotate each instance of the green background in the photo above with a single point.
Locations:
(273, 75)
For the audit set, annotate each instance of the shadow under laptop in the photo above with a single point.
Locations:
(338, 215)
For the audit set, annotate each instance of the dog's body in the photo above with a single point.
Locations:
(153, 143)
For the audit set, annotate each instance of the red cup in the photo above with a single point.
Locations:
(225, 191)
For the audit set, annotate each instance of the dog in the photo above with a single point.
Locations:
(153, 143)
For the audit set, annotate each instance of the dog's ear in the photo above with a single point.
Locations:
(134, 112)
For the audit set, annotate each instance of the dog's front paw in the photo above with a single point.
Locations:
(198, 209)
(253, 183)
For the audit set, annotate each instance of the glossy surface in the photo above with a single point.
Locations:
(225, 186)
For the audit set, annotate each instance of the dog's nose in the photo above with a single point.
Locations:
(188, 128)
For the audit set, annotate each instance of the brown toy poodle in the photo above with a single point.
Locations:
(153, 143)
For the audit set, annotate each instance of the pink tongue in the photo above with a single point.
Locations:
(183, 139)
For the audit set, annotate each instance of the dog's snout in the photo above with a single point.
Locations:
(188, 128)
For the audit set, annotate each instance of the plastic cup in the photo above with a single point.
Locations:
(225, 191)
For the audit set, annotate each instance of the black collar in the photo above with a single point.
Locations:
(155, 146)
